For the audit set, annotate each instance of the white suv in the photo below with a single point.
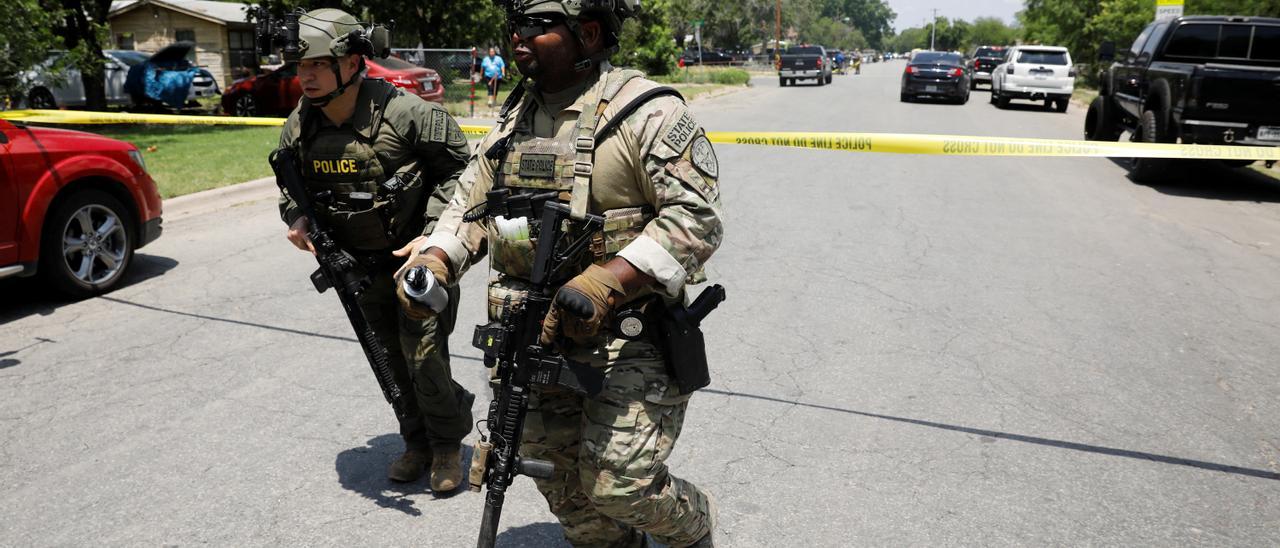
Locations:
(1036, 73)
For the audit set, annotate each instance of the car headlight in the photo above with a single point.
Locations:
(136, 155)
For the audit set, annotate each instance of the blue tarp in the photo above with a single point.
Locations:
(169, 86)
(165, 77)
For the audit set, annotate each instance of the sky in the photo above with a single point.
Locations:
(914, 13)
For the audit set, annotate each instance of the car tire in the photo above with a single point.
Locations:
(1002, 102)
(782, 82)
(905, 98)
(1099, 121)
(993, 97)
(830, 79)
(81, 265)
(245, 105)
(41, 98)
(1151, 129)
(1061, 105)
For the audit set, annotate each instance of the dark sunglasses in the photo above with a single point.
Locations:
(530, 26)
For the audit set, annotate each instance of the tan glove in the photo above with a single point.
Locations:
(413, 309)
(583, 305)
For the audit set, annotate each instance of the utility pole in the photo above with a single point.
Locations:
(777, 33)
(933, 29)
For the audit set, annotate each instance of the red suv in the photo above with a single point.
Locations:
(277, 92)
(73, 206)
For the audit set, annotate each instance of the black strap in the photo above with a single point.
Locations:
(631, 108)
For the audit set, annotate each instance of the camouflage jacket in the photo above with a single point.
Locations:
(659, 157)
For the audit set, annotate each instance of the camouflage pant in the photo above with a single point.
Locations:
(611, 480)
(440, 412)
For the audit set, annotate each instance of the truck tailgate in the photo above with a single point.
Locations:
(1236, 93)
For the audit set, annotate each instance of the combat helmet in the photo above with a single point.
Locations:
(329, 32)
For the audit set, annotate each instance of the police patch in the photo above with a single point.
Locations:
(704, 157)
(681, 132)
(539, 166)
(439, 126)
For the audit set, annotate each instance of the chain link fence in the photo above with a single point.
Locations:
(451, 64)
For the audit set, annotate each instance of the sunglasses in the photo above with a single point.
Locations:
(530, 26)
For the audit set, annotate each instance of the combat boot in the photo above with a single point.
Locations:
(708, 541)
(446, 468)
(410, 466)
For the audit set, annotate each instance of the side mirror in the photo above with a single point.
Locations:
(1107, 52)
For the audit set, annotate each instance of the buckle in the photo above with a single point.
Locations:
(586, 144)
(582, 169)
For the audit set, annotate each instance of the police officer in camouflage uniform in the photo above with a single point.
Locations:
(354, 135)
(653, 176)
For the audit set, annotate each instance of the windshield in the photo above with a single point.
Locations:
(1038, 57)
(989, 52)
(395, 63)
(936, 58)
(130, 58)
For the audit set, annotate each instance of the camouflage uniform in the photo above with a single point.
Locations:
(391, 132)
(655, 180)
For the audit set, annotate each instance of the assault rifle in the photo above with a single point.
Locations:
(340, 271)
(511, 344)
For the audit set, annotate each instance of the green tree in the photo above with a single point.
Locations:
(991, 31)
(83, 32)
(24, 44)
(647, 42)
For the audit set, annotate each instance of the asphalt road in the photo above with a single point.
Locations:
(915, 351)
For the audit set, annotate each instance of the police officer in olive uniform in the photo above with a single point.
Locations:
(617, 145)
(383, 165)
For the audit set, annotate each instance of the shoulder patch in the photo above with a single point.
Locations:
(704, 157)
(681, 132)
(439, 126)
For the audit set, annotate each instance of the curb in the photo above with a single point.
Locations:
(219, 198)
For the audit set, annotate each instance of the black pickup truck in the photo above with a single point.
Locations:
(1195, 80)
(804, 63)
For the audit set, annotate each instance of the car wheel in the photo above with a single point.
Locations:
(904, 97)
(782, 82)
(1099, 123)
(829, 79)
(1048, 104)
(992, 98)
(1002, 102)
(1062, 104)
(88, 243)
(1151, 129)
(245, 105)
(41, 98)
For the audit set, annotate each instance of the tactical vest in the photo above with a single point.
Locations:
(339, 162)
(536, 165)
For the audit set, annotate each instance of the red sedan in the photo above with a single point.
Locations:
(74, 206)
(277, 93)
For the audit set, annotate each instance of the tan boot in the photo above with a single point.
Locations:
(446, 468)
(410, 466)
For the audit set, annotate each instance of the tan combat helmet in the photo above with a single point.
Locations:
(333, 33)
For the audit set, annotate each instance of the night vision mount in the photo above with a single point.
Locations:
(368, 39)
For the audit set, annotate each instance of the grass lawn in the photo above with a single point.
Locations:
(188, 159)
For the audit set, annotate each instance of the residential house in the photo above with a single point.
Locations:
(224, 40)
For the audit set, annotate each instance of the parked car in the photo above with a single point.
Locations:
(804, 63)
(74, 207)
(169, 78)
(277, 92)
(936, 74)
(1198, 80)
(709, 57)
(47, 91)
(1035, 73)
(982, 62)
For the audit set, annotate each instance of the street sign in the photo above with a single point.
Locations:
(1168, 9)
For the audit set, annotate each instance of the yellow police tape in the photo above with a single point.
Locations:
(892, 143)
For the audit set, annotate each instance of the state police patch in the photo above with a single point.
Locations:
(704, 157)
